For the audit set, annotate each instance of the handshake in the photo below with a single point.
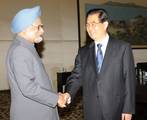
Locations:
(64, 99)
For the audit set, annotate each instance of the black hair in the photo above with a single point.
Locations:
(102, 14)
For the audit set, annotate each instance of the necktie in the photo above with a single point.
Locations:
(99, 57)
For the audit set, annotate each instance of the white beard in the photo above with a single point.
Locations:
(38, 40)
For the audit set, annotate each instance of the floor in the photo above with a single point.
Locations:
(73, 112)
(70, 113)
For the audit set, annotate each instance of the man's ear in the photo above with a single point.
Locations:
(106, 24)
(21, 33)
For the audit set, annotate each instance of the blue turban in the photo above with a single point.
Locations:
(25, 18)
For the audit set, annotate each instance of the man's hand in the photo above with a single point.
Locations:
(67, 97)
(61, 100)
(64, 99)
(126, 116)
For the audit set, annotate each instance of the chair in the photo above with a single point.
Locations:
(61, 80)
(141, 73)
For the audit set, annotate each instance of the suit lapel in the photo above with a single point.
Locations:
(108, 56)
(92, 57)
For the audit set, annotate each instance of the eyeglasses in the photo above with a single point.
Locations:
(93, 24)
(38, 26)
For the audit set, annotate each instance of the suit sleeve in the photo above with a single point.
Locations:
(130, 81)
(74, 80)
(22, 61)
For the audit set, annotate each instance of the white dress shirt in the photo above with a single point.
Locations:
(104, 43)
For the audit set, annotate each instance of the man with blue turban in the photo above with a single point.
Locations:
(32, 97)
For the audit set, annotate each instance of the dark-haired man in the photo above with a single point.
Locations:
(105, 70)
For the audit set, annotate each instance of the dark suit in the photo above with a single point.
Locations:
(108, 94)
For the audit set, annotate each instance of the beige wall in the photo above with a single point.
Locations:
(59, 17)
(3, 49)
(58, 55)
(61, 37)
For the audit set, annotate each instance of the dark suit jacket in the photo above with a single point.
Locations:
(112, 91)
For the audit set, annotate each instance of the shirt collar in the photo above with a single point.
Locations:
(104, 43)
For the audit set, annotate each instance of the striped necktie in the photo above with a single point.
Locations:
(99, 57)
